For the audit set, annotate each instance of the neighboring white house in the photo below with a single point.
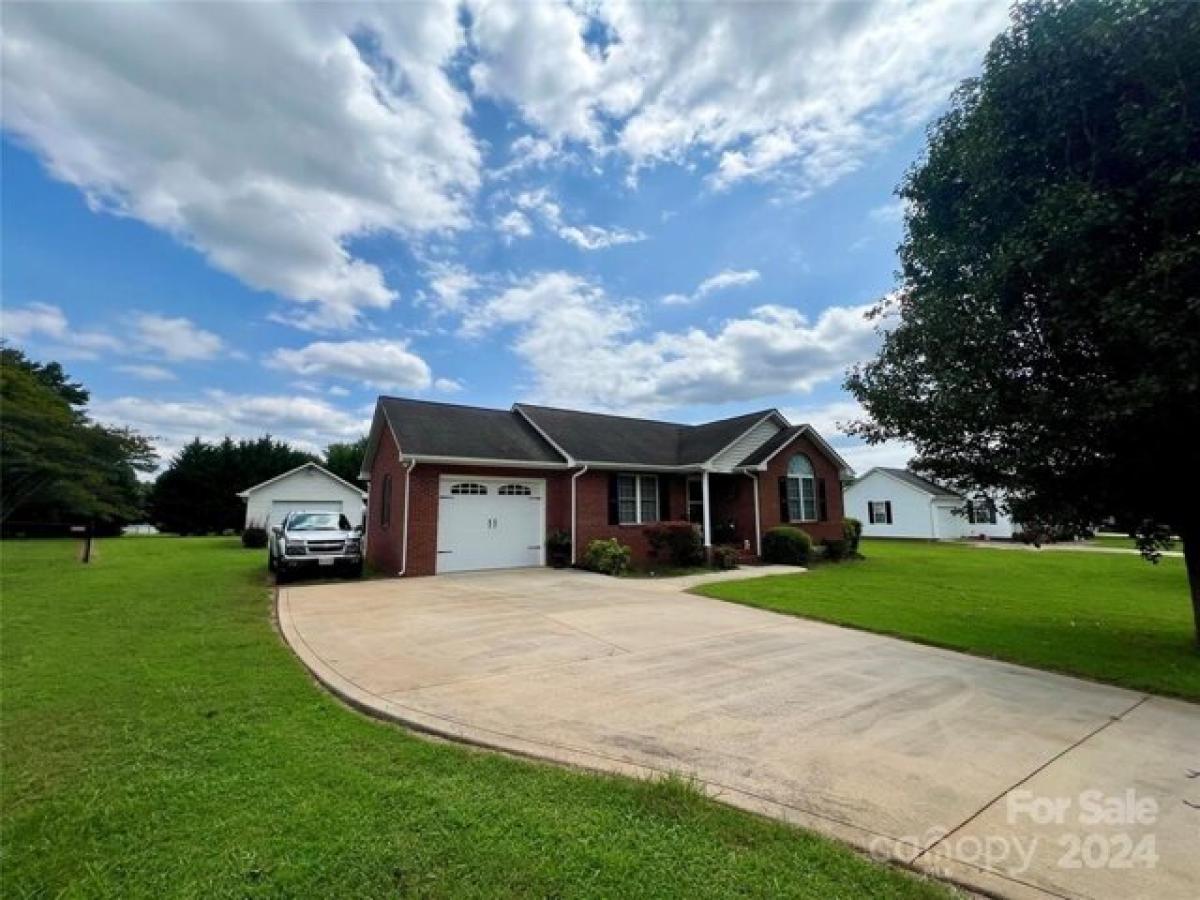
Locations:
(307, 487)
(898, 503)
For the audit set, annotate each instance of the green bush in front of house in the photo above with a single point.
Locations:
(787, 545)
(852, 532)
(608, 556)
(254, 537)
(677, 542)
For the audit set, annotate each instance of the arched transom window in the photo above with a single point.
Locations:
(468, 487)
(801, 489)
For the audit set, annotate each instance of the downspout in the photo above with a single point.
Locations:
(412, 464)
(757, 515)
(574, 478)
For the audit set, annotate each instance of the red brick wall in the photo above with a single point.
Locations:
(824, 468)
(732, 497)
(593, 522)
(384, 545)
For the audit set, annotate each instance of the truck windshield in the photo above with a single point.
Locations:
(318, 521)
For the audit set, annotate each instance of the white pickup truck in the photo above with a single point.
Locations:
(317, 542)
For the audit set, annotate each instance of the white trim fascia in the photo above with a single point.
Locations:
(372, 447)
(640, 467)
(773, 414)
(250, 490)
(843, 466)
(516, 407)
(483, 461)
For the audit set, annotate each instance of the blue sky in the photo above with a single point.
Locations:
(236, 220)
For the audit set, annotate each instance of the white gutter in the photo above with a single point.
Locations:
(573, 481)
(757, 515)
(707, 509)
(404, 546)
(484, 461)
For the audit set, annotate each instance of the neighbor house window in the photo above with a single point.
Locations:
(981, 512)
(801, 490)
(385, 502)
(880, 512)
(637, 499)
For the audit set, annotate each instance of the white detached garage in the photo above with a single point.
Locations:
(307, 487)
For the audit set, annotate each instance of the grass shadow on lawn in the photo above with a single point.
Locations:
(1108, 617)
(159, 739)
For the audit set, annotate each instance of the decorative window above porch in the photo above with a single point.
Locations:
(801, 490)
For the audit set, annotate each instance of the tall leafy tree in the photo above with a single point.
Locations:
(345, 460)
(57, 465)
(197, 493)
(1045, 338)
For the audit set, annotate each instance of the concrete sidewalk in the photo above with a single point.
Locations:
(973, 769)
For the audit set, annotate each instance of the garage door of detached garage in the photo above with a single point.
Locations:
(490, 523)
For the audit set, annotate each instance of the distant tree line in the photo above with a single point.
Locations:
(59, 468)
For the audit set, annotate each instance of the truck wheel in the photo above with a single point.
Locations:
(270, 562)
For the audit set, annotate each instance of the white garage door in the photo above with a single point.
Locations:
(489, 523)
(280, 508)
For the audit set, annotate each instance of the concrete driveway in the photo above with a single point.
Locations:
(973, 769)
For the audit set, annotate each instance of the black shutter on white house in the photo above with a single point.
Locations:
(888, 507)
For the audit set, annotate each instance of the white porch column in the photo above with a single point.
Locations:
(707, 510)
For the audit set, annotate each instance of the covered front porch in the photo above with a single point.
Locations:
(725, 507)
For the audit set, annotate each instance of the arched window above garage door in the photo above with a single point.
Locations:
(468, 487)
(515, 490)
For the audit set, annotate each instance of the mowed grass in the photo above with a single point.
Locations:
(1111, 617)
(159, 740)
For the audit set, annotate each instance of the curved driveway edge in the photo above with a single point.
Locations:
(905, 751)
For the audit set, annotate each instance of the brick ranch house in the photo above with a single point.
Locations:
(456, 488)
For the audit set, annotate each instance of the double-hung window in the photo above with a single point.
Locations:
(801, 490)
(981, 511)
(878, 510)
(637, 499)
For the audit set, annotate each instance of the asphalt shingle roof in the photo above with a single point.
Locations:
(922, 484)
(596, 437)
(426, 428)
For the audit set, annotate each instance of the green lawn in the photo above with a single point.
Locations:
(1111, 617)
(159, 740)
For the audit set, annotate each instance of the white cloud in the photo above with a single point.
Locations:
(540, 203)
(796, 92)
(593, 237)
(728, 278)
(268, 137)
(447, 385)
(514, 224)
(584, 348)
(146, 372)
(383, 364)
(887, 213)
(305, 422)
(22, 323)
(829, 421)
(176, 339)
(450, 285)
(863, 457)
(47, 325)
